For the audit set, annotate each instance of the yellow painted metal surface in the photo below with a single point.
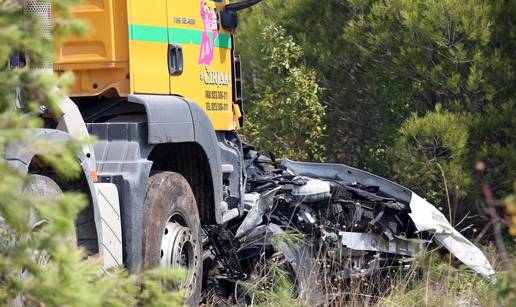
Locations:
(149, 59)
(127, 51)
(100, 59)
(207, 55)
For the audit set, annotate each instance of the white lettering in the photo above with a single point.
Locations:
(215, 77)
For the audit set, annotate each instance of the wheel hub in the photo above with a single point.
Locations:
(178, 249)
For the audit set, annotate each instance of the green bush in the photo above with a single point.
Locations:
(430, 154)
(286, 116)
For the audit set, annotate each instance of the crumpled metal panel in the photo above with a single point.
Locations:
(374, 242)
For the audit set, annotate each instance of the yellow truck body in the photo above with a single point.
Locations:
(129, 46)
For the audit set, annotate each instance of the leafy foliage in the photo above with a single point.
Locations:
(42, 265)
(359, 128)
(287, 117)
(430, 153)
(381, 61)
(451, 53)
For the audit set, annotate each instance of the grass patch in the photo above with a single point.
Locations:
(431, 280)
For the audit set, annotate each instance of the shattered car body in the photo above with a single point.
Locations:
(359, 223)
(424, 215)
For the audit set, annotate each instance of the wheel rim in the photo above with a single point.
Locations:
(178, 249)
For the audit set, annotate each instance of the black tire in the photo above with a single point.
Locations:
(85, 230)
(170, 205)
(46, 188)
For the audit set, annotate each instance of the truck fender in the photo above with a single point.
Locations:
(172, 119)
(19, 157)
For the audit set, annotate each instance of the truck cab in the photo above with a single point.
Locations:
(167, 48)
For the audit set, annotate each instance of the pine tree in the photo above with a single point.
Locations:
(430, 155)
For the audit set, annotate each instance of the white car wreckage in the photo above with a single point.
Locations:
(358, 221)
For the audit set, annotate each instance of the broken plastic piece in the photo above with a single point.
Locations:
(427, 218)
(255, 214)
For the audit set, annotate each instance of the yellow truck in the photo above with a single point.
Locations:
(158, 84)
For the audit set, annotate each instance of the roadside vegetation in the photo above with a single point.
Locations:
(420, 92)
(434, 279)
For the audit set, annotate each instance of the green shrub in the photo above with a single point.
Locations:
(286, 116)
(429, 156)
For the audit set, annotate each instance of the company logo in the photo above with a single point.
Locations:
(215, 77)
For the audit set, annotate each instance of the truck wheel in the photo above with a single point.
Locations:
(171, 229)
(46, 188)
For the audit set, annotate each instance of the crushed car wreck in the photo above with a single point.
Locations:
(350, 220)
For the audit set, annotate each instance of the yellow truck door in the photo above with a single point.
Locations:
(148, 46)
(200, 58)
